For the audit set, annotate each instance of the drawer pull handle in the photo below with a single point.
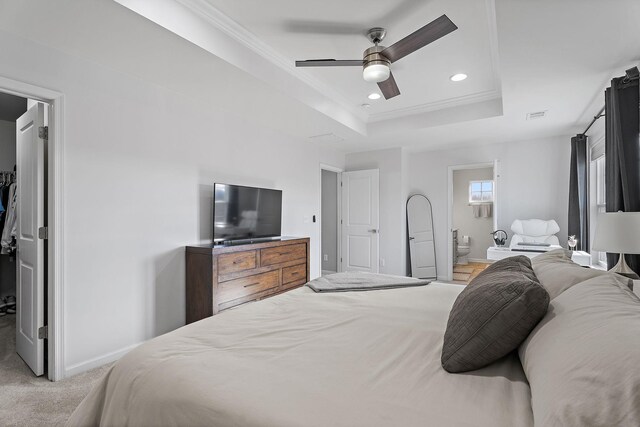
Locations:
(295, 273)
(251, 284)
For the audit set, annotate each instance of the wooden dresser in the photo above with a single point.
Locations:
(221, 277)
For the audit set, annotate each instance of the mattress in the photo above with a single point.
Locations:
(309, 359)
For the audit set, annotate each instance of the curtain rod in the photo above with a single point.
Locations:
(595, 119)
(630, 75)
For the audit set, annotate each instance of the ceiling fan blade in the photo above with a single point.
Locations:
(431, 32)
(389, 87)
(329, 63)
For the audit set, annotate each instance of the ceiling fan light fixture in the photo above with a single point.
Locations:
(376, 72)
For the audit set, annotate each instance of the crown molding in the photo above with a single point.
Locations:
(436, 105)
(493, 44)
(233, 29)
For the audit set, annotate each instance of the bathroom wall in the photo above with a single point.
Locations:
(477, 229)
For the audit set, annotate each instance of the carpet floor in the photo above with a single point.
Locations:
(27, 400)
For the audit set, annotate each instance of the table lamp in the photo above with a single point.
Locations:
(618, 232)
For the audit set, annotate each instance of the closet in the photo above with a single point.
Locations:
(11, 108)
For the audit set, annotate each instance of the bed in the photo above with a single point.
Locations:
(304, 358)
(374, 359)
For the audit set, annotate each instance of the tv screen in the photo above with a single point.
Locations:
(245, 212)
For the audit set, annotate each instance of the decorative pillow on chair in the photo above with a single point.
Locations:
(493, 315)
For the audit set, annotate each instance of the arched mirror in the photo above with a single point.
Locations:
(420, 234)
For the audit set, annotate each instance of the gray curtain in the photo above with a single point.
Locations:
(622, 151)
(578, 192)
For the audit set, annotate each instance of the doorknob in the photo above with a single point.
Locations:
(411, 238)
(373, 230)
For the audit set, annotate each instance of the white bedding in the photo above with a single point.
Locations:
(308, 359)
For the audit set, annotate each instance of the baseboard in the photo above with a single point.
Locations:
(486, 261)
(96, 362)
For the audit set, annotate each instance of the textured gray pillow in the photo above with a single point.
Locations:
(557, 273)
(493, 315)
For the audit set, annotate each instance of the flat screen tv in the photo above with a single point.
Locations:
(241, 213)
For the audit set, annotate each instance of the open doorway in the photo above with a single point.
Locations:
(30, 261)
(11, 108)
(330, 197)
(472, 219)
(23, 276)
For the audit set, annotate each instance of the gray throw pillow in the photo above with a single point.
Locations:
(493, 315)
(557, 273)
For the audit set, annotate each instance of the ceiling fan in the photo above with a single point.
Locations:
(377, 60)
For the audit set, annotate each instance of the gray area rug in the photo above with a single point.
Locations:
(27, 400)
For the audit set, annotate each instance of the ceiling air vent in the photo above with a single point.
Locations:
(326, 137)
(536, 115)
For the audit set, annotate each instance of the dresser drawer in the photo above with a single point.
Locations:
(293, 274)
(238, 288)
(280, 254)
(237, 261)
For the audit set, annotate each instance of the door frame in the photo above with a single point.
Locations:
(55, 215)
(338, 171)
(493, 164)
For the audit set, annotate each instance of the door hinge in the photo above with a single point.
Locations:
(340, 183)
(43, 332)
(43, 132)
(43, 233)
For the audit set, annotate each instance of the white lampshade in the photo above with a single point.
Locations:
(618, 232)
(376, 73)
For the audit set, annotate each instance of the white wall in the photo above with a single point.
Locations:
(533, 182)
(392, 204)
(140, 159)
(478, 229)
(329, 220)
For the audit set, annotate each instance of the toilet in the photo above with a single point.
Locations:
(463, 250)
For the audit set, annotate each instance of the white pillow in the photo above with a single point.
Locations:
(583, 359)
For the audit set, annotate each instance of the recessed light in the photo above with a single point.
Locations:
(458, 77)
(374, 96)
(365, 105)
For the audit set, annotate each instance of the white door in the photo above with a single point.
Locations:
(30, 258)
(420, 230)
(360, 220)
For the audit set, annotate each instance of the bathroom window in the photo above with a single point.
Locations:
(480, 191)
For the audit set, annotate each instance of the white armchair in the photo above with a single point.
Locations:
(534, 231)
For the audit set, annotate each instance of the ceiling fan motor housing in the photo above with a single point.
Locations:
(373, 56)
